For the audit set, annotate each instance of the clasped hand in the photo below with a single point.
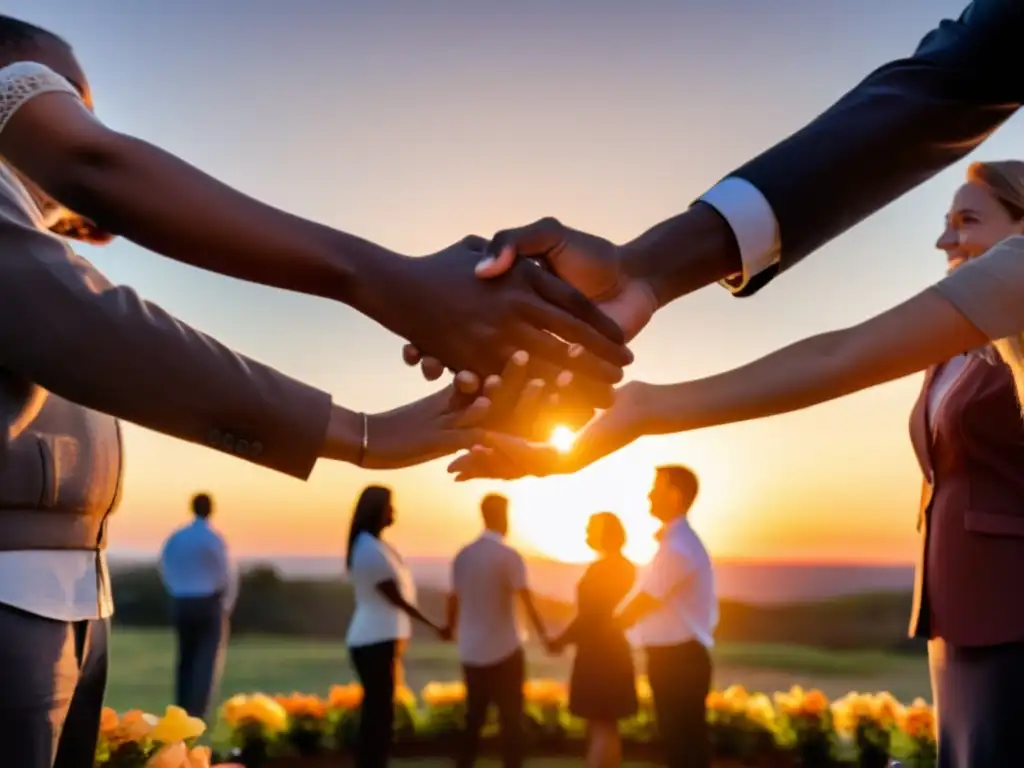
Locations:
(559, 384)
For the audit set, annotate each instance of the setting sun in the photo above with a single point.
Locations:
(562, 438)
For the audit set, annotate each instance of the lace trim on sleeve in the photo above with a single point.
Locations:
(24, 80)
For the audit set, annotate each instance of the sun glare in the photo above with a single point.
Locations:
(562, 438)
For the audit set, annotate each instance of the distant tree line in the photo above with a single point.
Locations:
(269, 604)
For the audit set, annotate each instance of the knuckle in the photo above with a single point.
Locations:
(548, 223)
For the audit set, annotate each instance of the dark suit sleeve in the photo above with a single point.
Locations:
(65, 327)
(903, 124)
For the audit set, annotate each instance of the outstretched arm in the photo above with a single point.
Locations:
(981, 301)
(904, 123)
(901, 125)
(134, 189)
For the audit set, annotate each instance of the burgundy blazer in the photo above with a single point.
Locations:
(971, 566)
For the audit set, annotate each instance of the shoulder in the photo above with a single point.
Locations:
(32, 74)
(365, 547)
(989, 290)
(512, 555)
(464, 554)
(23, 80)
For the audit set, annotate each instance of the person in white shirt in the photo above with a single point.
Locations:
(385, 601)
(203, 584)
(673, 617)
(488, 580)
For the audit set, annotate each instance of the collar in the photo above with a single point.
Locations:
(670, 529)
(492, 535)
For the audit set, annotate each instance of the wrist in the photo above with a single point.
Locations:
(345, 433)
(363, 273)
(684, 253)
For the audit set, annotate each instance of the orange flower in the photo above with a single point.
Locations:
(345, 697)
(108, 722)
(444, 694)
(918, 721)
(545, 692)
(177, 755)
(716, 702)
(134, 725)
(815, 703)
(302, 705)
(798, 703)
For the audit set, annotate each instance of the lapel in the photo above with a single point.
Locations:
(920, 429)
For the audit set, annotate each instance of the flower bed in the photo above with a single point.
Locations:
(794, 728)
(139, 740)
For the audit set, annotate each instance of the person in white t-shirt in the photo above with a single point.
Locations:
(385, 598)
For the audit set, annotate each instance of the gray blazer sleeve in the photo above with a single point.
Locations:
(989, 291)
(65, 327)
(901, 125)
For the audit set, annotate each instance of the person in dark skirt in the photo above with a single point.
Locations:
(602, 688)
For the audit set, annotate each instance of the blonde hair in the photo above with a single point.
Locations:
(1004, 179)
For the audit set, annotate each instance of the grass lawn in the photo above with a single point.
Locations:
(142, 663)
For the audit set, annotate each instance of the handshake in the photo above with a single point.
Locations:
(533, 324)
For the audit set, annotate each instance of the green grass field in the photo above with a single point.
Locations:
(142, 665)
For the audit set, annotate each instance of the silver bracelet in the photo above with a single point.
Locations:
(366, 440)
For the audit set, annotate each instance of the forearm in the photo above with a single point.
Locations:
(415, 613)
(534, 616)
(684, 253)
(65, 328)
(136, 190)
(905, 122)
(637, 608)
(569, 635)
(452, 611)
(923, 331)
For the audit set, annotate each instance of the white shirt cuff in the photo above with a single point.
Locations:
(753, 223)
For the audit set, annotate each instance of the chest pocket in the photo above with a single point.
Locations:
(67, 458)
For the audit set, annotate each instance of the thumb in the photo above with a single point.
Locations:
(604, 435)
(475, 413)
(453, 440)
(494, 266)
(535, 240)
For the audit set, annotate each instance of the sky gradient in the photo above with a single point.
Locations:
(413, 124)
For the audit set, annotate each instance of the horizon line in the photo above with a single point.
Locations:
(724, 560)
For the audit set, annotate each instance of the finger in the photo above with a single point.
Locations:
(475, 413)
(480, 462)
(585, 324)
(586, 392)
(537, 239)
(504, 390)
(432, 368)
(552, 349)
(527, 408)
(410, 354)
(474, 243)
(467, 382)
(531, 458)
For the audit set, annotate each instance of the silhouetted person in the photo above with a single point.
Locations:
(602, 689)
(381, 626)
(488, 578)
(203, 585)
(675, 613)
